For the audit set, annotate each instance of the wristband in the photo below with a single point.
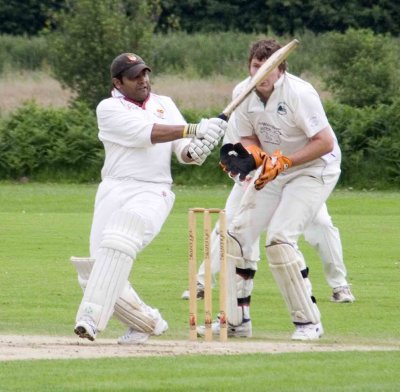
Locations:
(189, 130)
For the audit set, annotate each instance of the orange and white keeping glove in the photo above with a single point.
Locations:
(271, 167)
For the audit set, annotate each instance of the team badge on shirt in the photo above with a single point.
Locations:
(282, 108)
(160, 113)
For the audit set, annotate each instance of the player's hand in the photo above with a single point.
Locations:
(239, 161)
(199, 150)
(213, 128)
(271, 167)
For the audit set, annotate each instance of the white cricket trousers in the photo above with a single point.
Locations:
(284, 207)
(153, 202)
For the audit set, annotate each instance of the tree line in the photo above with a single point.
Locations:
(31, 17)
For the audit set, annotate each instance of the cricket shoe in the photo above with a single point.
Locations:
(243, 330)
(133, 336)
(342, 294)
(199, 292)
(308, 332)
(86, 329)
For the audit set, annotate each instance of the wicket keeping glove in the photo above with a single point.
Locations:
(237, 160)
(271, 167)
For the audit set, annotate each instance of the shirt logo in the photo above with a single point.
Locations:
(160, 113)
(314, 121)
(282, 108)
(269, 133)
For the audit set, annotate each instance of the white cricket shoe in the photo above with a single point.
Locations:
(243, 330)
(86, 329)
(199, 289)
(308, 332)
(137, 337)
(134, 337)
(342, 294)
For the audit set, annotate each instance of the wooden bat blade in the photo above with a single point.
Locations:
(264, 71)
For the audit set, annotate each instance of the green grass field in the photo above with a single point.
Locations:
(42, 225)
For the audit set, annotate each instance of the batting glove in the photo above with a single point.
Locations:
(199, 150)
(272, 166)
(206, 127)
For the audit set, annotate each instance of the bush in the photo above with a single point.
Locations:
(90, 36)
(370, 142)
(62, 144)
(363, 67)
(22, 53)
(50, 144)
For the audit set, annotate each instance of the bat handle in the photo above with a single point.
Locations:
(222, 116)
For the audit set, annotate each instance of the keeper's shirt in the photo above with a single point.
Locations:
(292, 115)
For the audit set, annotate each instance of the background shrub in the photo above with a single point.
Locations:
(50, 144)
(22, 53)
(89, 36)
(370, 142)
(363, 67)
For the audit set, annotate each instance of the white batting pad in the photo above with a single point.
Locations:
(129, 308)
(84, 267)
(122, 238)
(284, 263)
(133, 312)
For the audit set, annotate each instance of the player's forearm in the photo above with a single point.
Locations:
(162, 133)
(322, 143)
(250, 140)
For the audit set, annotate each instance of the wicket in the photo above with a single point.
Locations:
(207, 273)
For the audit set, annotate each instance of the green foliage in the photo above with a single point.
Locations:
(50, 144)
(296, 16)
(281, 17)
(22, 53)
(62, 144)
(363, 67)
(370, 143)
(201, 55)
(194, 56)
(256, 16)
(90, 35)
(26, 17)
(196, 16)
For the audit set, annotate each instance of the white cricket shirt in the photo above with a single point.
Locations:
(292, 115)
(125, 131)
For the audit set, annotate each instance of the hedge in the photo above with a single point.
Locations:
(51, 144)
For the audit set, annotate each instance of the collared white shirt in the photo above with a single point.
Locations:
(292, 115)
(125, 130)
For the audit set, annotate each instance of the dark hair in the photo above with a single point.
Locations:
(263, 49)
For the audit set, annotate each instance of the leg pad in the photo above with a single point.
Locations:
(285, 266)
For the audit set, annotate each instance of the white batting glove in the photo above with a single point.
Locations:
(199, 150)
(212, 138)
(213, 126)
